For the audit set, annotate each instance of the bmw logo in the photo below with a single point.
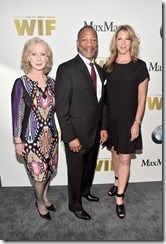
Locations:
(157, 135)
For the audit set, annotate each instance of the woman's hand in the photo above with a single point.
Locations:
(20, 149)
(134, 131)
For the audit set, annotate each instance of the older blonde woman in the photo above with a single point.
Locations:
(34, 129)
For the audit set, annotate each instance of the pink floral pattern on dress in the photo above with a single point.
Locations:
(41, 137)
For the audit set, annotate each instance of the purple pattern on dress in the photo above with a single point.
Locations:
(18, 108)
(28, 85)
(52, 83)
(32, 127)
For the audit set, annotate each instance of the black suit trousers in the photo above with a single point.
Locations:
(81, 168)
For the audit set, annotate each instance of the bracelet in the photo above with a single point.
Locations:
(138, 121)
(16, 143)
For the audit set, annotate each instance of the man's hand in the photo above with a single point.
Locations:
(75, 145)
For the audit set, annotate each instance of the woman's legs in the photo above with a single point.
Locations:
(39, 188)
(123, 173)
(45, 194)
(115, 162)
(121, 164)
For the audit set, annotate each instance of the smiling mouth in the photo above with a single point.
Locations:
(89, 50)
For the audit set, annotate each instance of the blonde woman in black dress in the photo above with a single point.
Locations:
(34, 129)
(127, 84)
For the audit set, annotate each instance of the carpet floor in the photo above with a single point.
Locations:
(20, 221)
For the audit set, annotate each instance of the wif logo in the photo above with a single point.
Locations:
(154, 103)
(104, 164)
(35, 25)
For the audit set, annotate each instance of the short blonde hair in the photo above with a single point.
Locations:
(25, 65)
(134, 49)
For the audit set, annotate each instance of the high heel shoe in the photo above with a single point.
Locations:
(44, 216)
(113, 190)
(51, 208)
(120, 209)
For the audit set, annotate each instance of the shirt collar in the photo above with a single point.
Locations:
(86, 61)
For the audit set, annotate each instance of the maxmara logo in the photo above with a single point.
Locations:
(155, 66)
(149, 162)
(35, 25)
(105, 27)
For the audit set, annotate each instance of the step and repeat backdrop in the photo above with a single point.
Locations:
(58, 22)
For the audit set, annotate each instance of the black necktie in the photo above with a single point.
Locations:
(93, 75)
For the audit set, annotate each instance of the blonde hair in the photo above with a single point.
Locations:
(25, 64)
(134, 49)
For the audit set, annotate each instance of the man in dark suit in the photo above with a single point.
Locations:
(82, 117)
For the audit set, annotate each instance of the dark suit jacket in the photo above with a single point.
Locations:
(78, 110)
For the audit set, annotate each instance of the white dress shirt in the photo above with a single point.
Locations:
(99, 85)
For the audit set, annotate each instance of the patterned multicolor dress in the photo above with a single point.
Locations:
(33, 120)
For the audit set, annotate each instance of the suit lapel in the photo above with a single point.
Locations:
(100, 73)
(102, 80)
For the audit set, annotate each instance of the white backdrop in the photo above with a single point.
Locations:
(58, 22)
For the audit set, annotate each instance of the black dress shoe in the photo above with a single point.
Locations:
(44, 216)
(92, 198)
(114, 189)
(51, 208)
(82, 214)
